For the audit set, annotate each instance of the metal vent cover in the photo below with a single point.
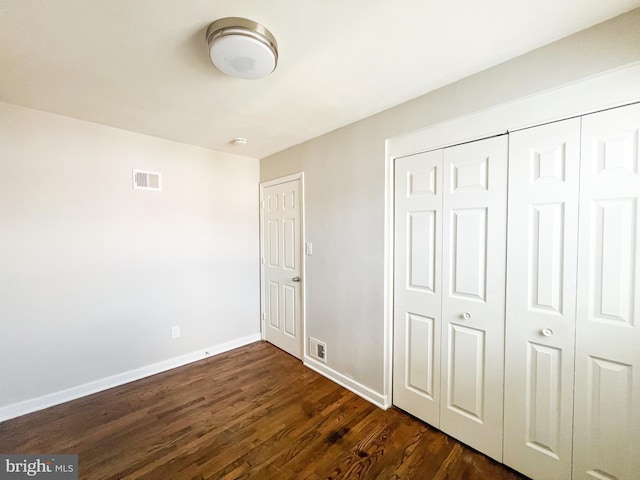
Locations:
(145, 180)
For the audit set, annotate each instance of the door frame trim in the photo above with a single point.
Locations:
(303, 296)
(600, 92)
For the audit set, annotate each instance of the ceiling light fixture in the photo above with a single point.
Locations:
(242, 48)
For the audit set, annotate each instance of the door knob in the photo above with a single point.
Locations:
(547, 332)
(466, 315)
(296, 279)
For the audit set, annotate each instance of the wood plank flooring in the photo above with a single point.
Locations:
(254, 412)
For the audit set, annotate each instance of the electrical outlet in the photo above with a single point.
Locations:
(175, 331)
(318, 349)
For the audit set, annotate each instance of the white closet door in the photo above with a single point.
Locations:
(473, 280)
(417, 292)
(607, 384)
(544, 166)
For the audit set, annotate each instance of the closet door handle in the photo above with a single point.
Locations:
(547, 332)
(466, 315)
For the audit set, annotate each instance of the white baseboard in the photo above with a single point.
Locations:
(376, 398)
(46, 401)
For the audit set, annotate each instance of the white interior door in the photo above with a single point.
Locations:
(417, 292)
(544, 168)
(607, 384)
(473, 280)
(281, 266)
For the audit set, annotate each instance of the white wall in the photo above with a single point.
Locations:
(94, 274)
(345, 186)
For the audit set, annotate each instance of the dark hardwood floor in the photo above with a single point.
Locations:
(254, 412)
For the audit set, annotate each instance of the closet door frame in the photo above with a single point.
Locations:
(617, 88)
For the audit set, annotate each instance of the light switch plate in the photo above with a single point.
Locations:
(308, 248)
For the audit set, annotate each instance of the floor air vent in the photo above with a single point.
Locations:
(144, 180)
(318, 349)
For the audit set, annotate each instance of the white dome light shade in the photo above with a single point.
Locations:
(242, 57)
(242, 48)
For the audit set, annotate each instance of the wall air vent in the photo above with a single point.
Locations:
(144, 180)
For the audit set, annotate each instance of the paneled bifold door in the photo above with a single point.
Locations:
(541, 299)
(450, 230)
(418, 281)
(572, 394)
(563, 347)
(607, 386)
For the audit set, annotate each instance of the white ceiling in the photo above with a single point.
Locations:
(142, 65)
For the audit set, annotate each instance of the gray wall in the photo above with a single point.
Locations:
(94, 274)
(345, 184)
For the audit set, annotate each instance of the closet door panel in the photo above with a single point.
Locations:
(607, 384)
(544, 166)
(417, 292)
(473, 281)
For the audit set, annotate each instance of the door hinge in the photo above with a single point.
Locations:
(261, 203)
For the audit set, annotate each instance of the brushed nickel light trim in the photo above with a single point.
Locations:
(242, 48)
